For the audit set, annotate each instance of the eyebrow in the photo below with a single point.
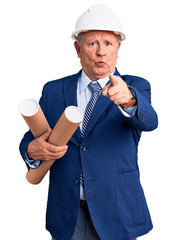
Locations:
(105, 39)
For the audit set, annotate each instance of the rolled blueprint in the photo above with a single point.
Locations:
(34, 117)
(66, 126)
(61, 134)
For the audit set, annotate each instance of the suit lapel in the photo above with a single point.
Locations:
(100, 107)
(70, 89)
(70, 96)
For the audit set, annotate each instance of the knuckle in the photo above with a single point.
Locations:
(62, 153)
(62, 148)
(59, 156)
(109, 91)
(53, 149)
(111, 98)
(104, 88)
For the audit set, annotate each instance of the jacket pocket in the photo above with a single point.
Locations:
(131, 202)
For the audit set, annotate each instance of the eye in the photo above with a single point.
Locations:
(108, 43)
(92, 44)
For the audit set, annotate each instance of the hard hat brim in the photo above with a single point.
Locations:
(75, 33)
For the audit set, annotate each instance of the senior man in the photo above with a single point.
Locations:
(95, 190)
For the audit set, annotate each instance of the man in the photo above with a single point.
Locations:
(95, 190)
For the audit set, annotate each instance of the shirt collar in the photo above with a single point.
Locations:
(84, 81)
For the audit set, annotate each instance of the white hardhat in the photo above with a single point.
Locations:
(98, 17)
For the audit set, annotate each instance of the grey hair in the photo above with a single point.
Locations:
(79, 38)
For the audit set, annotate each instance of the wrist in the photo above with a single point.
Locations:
(132, 101)
(132, 91)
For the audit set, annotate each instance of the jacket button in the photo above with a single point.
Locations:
(141, 116)
(83, 149)
(76, 181)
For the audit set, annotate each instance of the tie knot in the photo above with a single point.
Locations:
(95, 87)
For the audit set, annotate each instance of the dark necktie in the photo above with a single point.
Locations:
(96, 91)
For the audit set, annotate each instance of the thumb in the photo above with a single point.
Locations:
(46, 135)
(105, 90)
(114, 79)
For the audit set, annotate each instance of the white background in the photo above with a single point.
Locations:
(35, 47)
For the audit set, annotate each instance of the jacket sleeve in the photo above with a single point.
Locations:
(145, 117)
(28, 137)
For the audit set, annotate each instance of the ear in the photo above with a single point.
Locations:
(77, 47)
(119, 44)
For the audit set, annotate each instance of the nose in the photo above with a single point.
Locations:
(100, 50)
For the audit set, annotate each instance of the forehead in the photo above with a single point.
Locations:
(96, 34)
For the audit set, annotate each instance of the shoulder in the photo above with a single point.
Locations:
(53, 84)
(136, 81)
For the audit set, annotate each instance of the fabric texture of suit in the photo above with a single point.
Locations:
(107, 154)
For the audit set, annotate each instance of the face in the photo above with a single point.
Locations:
(98, 53)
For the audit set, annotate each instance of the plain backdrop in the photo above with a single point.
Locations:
(36, 47)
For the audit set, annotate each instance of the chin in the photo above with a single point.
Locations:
(102, 73)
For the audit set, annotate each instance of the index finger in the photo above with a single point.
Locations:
(54, 148)
(105, 90)
(114, 79)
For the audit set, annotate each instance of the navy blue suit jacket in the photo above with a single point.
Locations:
(113, 190)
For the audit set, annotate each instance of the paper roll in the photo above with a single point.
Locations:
(62, 132)
(34, 117)
(66, 126)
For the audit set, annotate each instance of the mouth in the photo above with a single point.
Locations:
(100, 63)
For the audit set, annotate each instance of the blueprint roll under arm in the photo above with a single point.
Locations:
(61, 134)
(34, 117)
